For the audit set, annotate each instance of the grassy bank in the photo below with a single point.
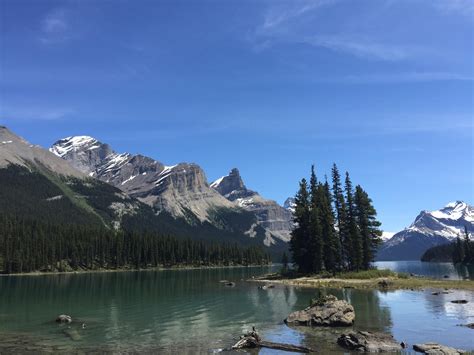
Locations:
(158, 268)
(369, 279)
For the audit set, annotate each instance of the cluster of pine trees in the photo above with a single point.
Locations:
(31, 245)
(335, 226)
(463, 251)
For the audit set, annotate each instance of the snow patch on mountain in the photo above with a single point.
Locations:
(387, 235)
(73, 143)
(290, 204)
(430, 228)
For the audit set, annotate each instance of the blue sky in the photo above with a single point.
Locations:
(383, 88)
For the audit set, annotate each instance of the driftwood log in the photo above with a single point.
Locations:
(253, 340)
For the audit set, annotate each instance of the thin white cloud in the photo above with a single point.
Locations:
(297, 22)
(363, 48)
(407, 77)
(56, 26)
(464, 7)
(55, 22)
(286, 11)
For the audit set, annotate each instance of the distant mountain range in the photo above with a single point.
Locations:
(429, 229)
(82, 180)
(181, 190)
(122, 190)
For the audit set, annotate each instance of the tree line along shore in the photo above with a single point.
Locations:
(30, 245)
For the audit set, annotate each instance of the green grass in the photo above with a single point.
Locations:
(370, 274)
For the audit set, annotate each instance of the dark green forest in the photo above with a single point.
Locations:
(336, 226)
(31, 245)
(38, 194)
(461, 251)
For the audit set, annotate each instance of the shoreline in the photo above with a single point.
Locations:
(380, 283)
(159, 268)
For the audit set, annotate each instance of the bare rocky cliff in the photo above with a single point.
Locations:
(270, 215)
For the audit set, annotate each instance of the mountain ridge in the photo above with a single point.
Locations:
(270, 214)
(181, 190)
(430, 228)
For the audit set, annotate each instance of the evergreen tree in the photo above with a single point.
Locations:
(30, 245)
(458, 254)
(316, 244)
(341, 215)
(284, 261)
(468, 252)
(300, 236)
(368, 226)
(332, 251)
(353, 235)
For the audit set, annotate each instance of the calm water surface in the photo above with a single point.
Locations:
(433, 270)
(190, 311)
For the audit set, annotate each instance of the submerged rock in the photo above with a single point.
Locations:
(369, 342)
(63, 318)
(73, 334)
(385, 283)
(435, 349)
(327, 311)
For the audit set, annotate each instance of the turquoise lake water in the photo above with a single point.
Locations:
(190, 311)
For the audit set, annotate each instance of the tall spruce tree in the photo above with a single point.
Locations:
(468, 252)
(458, 253)
(368, 225)
(353, 235)
(341, 215)
(301, 235)
(316, 246)
(331, 252)
(284, 262)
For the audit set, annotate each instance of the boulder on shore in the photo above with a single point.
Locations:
(369, 342)
(327, 312)
(63, 318)
(436, 349)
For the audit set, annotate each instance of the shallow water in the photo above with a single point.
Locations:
(190, 311)
(433, 270)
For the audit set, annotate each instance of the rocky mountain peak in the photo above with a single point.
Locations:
(230, 184)
(177, 189)
(85, 153)
(270, 215)
(430, 228)
(289, 204)
(18, 151)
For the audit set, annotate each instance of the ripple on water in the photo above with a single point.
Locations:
(189, 312)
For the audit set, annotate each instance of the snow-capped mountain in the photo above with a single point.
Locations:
(176, 189)
(16, 150)
(270, 215)
(429, 229)
(180, 190)
(36, 182)
(290, 204)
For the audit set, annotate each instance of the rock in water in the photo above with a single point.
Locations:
(459, 301)
(435, 348)
(63, 318)
(327, 311)
(73, 334)
(369, 342)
